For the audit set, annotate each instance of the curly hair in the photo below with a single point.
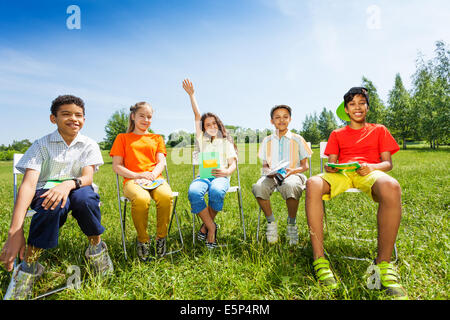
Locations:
(220, 125)
(65, 99)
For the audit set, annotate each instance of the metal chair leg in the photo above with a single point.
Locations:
(174, 213)
(242, 213)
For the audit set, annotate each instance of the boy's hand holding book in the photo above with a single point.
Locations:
(330, 169)
(365, 169)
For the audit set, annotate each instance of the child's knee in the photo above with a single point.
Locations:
(217, 194)
(388, 187)
(164, 199)
(314, 184)
(261, 191)
(141, 201)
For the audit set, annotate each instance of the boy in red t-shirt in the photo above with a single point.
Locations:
(371, 145)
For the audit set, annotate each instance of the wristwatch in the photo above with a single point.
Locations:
(77, 183)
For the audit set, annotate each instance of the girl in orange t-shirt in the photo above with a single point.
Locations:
(140, 157)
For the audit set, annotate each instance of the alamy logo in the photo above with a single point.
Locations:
(373, 280)
(74, 20)
(374, 20)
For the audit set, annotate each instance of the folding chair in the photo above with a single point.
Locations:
(231, 189)
(125, 200)
(276, 190)
(323, 145)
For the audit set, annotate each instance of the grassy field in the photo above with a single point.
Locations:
(252, 270)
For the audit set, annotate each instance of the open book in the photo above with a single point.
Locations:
(349, 166)
(150, 185)
(279, 168)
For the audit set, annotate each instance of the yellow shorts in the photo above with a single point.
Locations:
(340, 182)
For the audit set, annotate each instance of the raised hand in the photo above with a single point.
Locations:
(188, 87)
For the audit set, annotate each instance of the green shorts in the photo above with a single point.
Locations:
(340, 182)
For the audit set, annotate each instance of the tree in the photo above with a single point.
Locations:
(431, 96)
(117, 123)
(326, 123)
(377, 110)
(401, 117)
(310, 130)
(180, 139)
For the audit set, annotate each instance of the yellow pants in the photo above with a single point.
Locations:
(340, 182)
(140, 202)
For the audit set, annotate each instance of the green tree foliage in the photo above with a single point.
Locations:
(401, 118)
(180, 139)
(7, 152)
(326, 123)
(310, 130)
(117, 123)
(431, 96)
(377, 110)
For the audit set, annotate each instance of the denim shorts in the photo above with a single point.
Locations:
(216, 188)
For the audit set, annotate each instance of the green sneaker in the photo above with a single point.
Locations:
(389, 281)
(324, 274)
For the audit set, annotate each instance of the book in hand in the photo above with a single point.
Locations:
(279, 172)
(208, 161)
(150, 185)
(349, 166)
(279, 168)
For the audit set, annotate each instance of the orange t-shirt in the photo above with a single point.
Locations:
(138, 151)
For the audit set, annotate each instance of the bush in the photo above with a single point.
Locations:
(7, 155)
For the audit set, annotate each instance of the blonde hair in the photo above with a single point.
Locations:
(133, 110)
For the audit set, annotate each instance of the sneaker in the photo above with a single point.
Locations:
(292, 234)
(161, 247)
(100, 261)
(21, 284)
(272, 232)
(143, 250)
(323, 273)
(202, 236)
(211, 245)
(389, 280)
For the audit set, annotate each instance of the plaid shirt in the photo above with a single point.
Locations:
(55, 160)
(290, 147)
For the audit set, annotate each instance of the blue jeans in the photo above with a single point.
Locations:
(216, 188)
(45, 224)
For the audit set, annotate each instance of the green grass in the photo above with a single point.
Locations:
(258, 271)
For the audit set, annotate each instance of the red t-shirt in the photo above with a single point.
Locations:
(363, 145)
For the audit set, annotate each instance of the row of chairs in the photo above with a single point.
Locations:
(123, 201)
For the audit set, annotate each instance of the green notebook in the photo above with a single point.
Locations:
(51, 184)
(207, 161)
(349, 166)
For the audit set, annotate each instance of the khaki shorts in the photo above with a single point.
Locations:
(292, 187)
(340, 182)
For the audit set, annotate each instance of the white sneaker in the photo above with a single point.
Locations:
(272, 232)
(292, 234)
(21, 284)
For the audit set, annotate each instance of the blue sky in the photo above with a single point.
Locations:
(243, 56)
